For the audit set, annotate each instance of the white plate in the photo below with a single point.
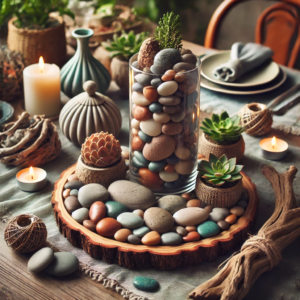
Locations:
(278, 81)
(260, 75)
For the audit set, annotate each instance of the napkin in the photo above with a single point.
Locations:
(243, 58)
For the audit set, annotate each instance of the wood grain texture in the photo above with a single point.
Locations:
(141, 256)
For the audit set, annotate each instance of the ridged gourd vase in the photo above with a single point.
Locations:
(83, 67)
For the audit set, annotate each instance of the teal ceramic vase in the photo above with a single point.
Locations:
(83, 67)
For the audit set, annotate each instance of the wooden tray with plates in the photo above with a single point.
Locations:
(159, 257)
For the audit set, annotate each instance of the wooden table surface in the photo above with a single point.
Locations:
(17, 283)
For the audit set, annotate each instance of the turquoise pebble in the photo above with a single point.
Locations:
(156, 166)
(144, 137)
(130, 220)
(208, 229)
(136, 163)
(115, 208)
(171, 238)
(145, 283)
(140, 232)
(155, 107)
(74, 193)
(140, 157)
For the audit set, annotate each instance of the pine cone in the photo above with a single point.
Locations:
(101, 150)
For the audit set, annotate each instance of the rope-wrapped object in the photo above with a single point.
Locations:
(25, 233)
(256, 118)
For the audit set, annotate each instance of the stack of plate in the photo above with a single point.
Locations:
(264, 78)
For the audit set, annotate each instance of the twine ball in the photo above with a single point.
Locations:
(256, 118)
(25, 233)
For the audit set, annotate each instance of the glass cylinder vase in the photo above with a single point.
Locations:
(164, 128)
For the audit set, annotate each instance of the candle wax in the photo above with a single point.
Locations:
(280, 145)
(25, 176)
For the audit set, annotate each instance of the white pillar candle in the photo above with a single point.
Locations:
(42, 89)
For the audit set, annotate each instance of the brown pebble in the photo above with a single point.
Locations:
(193, 203)
(142, 113)
(97, 211)
(208, 208)
(66, 193)
(71, 204)
(151, 238)
(180, 76)
(90, 225)
(187, 196)
(192, 236)
(181, 230)
(73, 177)
(190, 228)
(169, 168)
(231, 219)
(223, 225)
(139, 212)
(134, 131)
(108, 227)
(137, 144)
(168, 76)
(125, 154)
(150, 93)
(122, 235)
(237, 210)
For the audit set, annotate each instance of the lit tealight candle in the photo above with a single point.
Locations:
(273, 148)
(42, 89)
(31, 179)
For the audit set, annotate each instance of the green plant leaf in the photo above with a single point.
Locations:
(236, 120)
(223, 159)
(226, 177)
(237, 169)
(219, 174)
(208, 176)
(228, 123)
(215, 118)
(217, 182)
(232, 163)
(224, 115)
(236, 177)
(205, 165)
(212, 158)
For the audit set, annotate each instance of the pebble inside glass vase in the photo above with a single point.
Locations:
(164, 126)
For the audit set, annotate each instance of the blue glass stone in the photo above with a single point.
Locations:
(155, 107)
(140, 157)
(173, 159)
(156, 166)
(144, 137)
(136, 163)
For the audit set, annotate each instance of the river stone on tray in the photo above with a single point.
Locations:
(156, 82)
(40, 259)
(140, 232)
(172, 109)
(115, 208)
(136, 87)
(150, 127)
(74, 185)
(143, 79)
(133, 239)
(167, 88)
(169, 100)
(158, 219)
(172, 203)
(223, 225)
(160, 148)
(183, 66)
(132, 195)
(166, 59)
(74, 193)
(181, 230)
(63, 263)
(191, 216)
(130, 220)
(155, 107)
(208, 229)
(91, 193)
(219, 214)
(156, 166)
(171, 238)
(172, 128)
(80, 214)
(71, 204)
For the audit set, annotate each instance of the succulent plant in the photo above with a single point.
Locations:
(219, 171)
(168, 31)
(101, 150)
(222, 128)
(125, 45)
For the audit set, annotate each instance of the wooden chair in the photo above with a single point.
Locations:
(278, 27)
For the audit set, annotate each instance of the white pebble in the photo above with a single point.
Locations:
(168, 177)
(167, 88)
(139, 99)
(161, 117)
(151, 127)
(135, 124)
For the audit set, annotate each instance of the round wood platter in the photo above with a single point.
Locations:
(159, 257)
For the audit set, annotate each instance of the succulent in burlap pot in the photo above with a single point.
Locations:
(219, 182)
(222, 135)
(101, 160)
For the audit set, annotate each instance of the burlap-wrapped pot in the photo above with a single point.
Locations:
(33, 43)
(105, 176)
(235, 150)
(217, 196)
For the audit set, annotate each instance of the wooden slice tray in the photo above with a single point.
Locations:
(159, 257)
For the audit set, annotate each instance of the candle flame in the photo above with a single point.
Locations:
(273, 141)
(31, 172)
(193, 116)
(41, 64)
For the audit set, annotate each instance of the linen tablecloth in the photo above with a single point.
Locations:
(282, 283)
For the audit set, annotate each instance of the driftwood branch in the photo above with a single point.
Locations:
(259, 253)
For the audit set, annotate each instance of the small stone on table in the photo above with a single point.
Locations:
(145, 283)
